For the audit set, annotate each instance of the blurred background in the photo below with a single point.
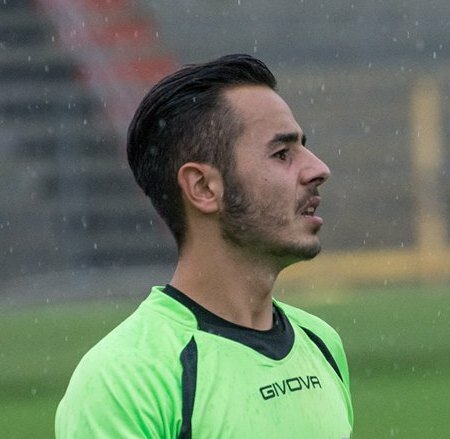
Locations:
(80, 245)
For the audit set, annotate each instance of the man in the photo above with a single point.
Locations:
(212, 354)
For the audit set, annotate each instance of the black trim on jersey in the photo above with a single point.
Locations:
(325, 351)
(188, 357)
(275, 343)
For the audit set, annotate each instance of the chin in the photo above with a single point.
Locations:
(296, 253)
(311, 253)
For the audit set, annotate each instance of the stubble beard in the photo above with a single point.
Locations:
(255, 226)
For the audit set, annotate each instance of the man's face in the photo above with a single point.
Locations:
(271, 195)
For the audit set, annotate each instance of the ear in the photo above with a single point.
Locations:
(201, 185)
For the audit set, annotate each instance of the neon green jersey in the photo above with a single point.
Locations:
(174, 370)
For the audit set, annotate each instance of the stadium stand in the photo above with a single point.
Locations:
(68, 199)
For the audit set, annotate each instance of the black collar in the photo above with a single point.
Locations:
(274, 343)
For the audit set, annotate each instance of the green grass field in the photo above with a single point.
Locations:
(397, 341)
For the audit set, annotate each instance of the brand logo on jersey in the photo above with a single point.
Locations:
(290, 385)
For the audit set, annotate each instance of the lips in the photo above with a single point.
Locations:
(310, 207)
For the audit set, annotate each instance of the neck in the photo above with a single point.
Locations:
(228, 282)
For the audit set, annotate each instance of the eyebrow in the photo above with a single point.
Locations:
(287, 138)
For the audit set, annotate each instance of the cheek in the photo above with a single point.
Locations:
(276, 189)
(275, 201)
(269, 186)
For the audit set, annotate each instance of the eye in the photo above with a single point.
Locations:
(282, 154)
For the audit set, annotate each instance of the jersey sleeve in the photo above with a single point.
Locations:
(116, 396)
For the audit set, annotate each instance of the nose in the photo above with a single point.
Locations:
(313, 170)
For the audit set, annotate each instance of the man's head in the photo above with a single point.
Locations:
(215, 144)
(186, 118)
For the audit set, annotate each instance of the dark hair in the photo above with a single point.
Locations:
(185, 118)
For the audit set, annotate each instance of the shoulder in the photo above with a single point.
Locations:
(315, 324)
(152, 336)
(321, 329)
(134, 372)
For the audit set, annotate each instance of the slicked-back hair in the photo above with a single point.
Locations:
(185, 118)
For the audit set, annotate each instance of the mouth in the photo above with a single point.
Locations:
(309, 209)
